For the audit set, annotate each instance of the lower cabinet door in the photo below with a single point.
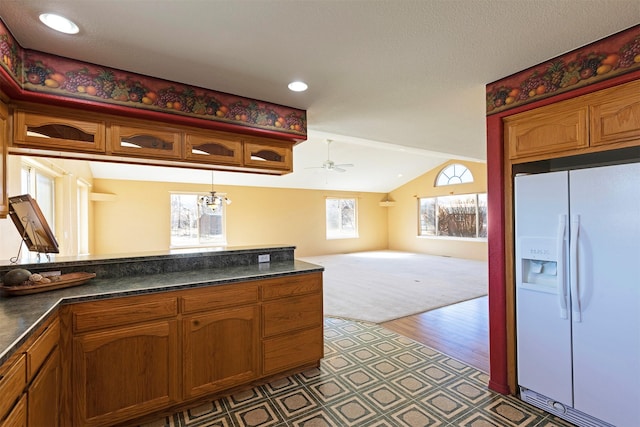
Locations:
(125, 372)
(44, 394)
(18, 415)
(221, 349)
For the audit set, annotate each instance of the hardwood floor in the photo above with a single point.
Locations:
(459, 330)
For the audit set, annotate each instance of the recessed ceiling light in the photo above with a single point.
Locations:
(298, 86)
(59, 23)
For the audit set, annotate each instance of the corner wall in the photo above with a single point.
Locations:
(403, 217)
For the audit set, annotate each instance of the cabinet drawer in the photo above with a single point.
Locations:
(291, 285)
(38, 352)
(291, 314)
(13, 380)
(292, 350)
(105, 314)
(218, 296)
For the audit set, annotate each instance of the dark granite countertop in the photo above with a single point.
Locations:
(21, 315)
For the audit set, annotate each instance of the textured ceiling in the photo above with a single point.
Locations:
(384, 76)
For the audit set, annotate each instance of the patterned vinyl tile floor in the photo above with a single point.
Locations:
(369, 377)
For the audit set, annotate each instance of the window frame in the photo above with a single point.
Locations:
(192, 243)
(341, 233)
(456, 172)
(480, 205)
(30, 179)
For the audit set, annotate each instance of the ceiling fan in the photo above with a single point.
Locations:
(329, 164)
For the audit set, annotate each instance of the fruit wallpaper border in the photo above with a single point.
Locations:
(39, 72)
(603, 59)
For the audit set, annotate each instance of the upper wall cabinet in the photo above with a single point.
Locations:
(213, 148)
(267, 155)
(4, 136)
(145, 141)
(556, 127)
(615, 115)
(62, 130)
(606, 119)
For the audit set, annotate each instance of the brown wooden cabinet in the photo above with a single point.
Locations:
(30, 382)
(4, 140)
(131, 356)
(63, 132)
(125, 358)
(43, 376)
(221, 349)
(292, 322)
(213, 148)
(58, 129)
(43, 395)
(145, 141)
(123, 372)
(18, 415)
(595, 122)
(615, 115)
(13, 380)
(268, 155)
(554, 128)
(220, 336)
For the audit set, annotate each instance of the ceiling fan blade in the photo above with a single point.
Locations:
(344, 165)
(337, 169)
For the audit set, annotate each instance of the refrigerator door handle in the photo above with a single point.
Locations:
(573, 249)
(562, 282)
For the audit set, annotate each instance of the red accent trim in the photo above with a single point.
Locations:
(495, 245)
(8, 84)
(499, 380)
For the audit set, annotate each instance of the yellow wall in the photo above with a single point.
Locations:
(403, 217)
(138, 219)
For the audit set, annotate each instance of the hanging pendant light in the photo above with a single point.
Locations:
(212, 203)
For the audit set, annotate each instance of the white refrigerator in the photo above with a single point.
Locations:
(577, 255)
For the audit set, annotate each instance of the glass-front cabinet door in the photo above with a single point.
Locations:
(267, 155)
(213, 148)
(142, 141)
(59, 131)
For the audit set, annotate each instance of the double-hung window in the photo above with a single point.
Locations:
(193, 223)
(342, 218)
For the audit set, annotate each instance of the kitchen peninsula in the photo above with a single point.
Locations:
(156, 331)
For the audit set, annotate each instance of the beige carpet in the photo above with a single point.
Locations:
(379, 286)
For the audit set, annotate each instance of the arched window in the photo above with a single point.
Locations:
(454, 174)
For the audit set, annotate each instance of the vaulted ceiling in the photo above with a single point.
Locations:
(398, 85)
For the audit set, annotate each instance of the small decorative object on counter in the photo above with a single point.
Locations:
(16, 277)
(22, 282)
